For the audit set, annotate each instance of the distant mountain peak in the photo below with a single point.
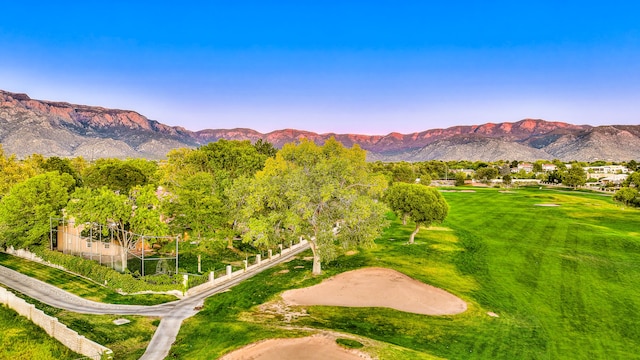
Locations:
(62, 129)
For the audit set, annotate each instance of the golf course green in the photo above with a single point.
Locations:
(541, 282)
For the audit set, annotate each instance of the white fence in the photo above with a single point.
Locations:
(54, 328)
(232, 274)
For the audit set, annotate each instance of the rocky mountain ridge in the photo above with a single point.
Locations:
(50, 128)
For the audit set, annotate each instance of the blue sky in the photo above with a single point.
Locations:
(369, 67)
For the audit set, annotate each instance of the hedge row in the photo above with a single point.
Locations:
(104, 275)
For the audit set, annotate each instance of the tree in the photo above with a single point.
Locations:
(460, 178)
(628, 196)
(424, 205)
(124, 214)
(633, 180)
(537, 166)
(63, 166)
(235, 158)
(506, 179)
(25, 212)
(323, 194)
(225, 162)
(119, 175)
(554, 177)
(196, 206)
(265, 148)
(484, 174)
(504, 170)
(13, 171)
(403, 172)
(575, 176)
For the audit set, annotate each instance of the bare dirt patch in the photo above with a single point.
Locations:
(317, 347)
(378, 287)
(547, 205)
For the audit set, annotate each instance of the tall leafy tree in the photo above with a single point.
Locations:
(235, 158)
(26, 210)
(124, 214)
(628, 196)
(265, 148)
(63, 166)
(13, 171)
(633, 180)
(120, 175)
(224, 163)
(196, 207)
(485, 174)
(424, 205)
(460, 178)
(321, 193)
(574, 177)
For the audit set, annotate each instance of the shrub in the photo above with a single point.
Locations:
(109, 277)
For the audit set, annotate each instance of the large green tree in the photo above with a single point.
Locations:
(633, 180)
(423, 205)
(323, 194)
(25, 212)
(124, 214)
(574, 177)
(63, 166)
(120, 175)
(13, 171)
(224, 163)
(195, 206)
(485, 174)
(628, 196)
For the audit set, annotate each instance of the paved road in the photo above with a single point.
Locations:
(172, 313)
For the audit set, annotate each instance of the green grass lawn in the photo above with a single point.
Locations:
(128, 341)
(21, 339)
(564, 280)
(78, 285)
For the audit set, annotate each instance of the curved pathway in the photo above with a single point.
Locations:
(172, 313)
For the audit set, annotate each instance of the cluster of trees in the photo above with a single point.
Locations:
(328, 195)
(126, 195)
(629, 194)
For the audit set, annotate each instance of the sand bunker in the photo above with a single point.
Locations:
(369, 287)
(378, 287)
(549, 205)
(316, 347)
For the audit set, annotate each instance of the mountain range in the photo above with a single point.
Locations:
(62, 129)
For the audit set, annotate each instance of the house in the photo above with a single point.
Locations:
(71, 240)
(528, 167)
(607, 169)
(549, 167)
(614, 179)
(89, 243)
